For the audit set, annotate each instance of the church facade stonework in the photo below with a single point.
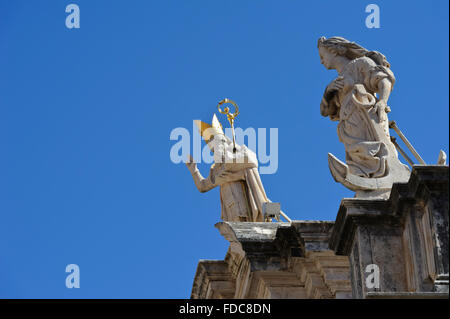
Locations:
(389, 241)
(406, 237)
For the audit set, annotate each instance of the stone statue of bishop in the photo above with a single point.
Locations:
(242, 193)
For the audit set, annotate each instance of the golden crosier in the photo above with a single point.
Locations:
(226, 110)
(230, 116)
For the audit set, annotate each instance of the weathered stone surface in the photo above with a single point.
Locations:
(276, 260)
(406, 236)
(214, 281)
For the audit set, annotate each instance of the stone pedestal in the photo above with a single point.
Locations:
(275, 260)
(403, 239)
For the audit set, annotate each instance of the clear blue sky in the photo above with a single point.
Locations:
(85, 173)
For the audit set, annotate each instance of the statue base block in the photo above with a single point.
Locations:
(398, 247)
(274, 260)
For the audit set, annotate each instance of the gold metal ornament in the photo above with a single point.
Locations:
(230, 116)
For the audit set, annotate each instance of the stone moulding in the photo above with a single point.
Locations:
(406, 236)
(353, 211)
(274, 260)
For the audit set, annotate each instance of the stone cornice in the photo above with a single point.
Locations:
(264, 242)
(352, 212)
